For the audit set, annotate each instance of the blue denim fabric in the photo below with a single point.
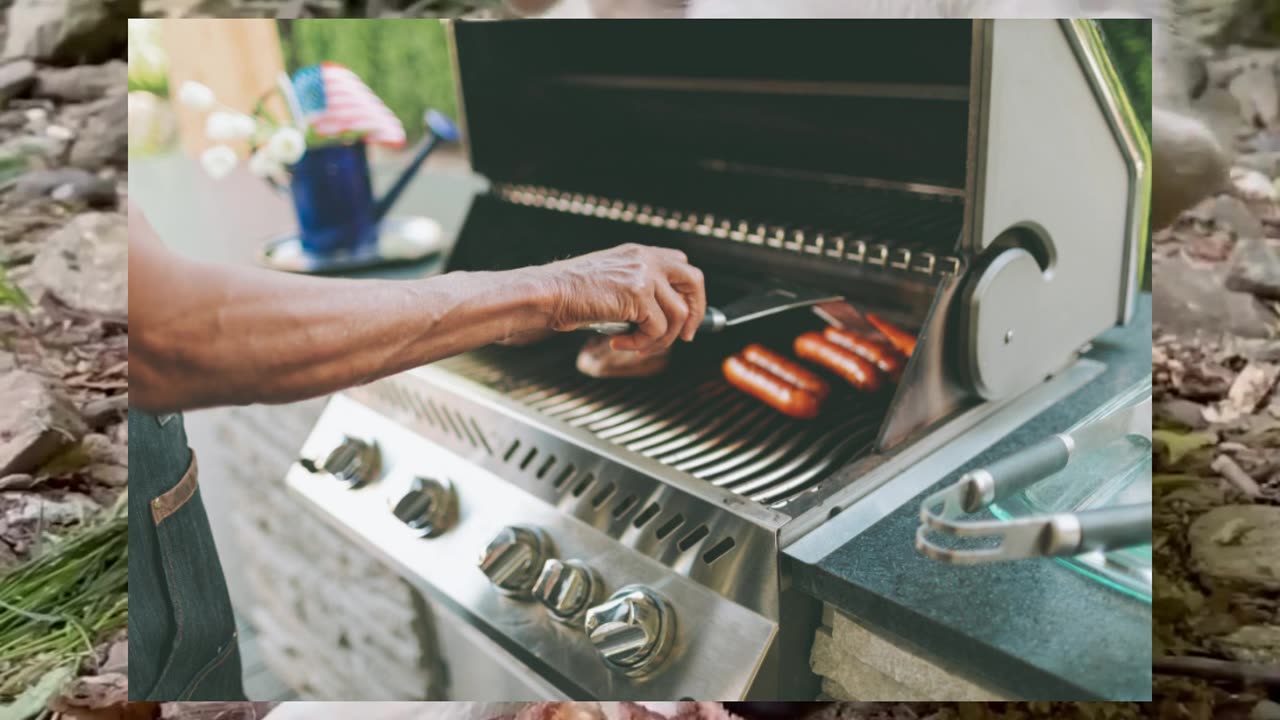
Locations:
(182, 633)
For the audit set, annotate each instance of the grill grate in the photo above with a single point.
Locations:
(693, 422)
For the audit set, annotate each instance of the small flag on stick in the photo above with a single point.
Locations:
(335, 100)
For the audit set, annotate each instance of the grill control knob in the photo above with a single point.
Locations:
(353, 462)
(633, 630)
(429, 507)
(566, 588)
(514, 558)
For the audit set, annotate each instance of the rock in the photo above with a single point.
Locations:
(1255, 90)
(108, 461)
(85, 265)
(1253, 185)
(36, 422)
(1184, 412)
(1255, 269)
(67, 185)
(105, 135)
(1249, 559)
(29, 509)
(65, 32)
(82, 82)
(1252, 644)
(16, 77)
(1189, 300)
(20, 481)
(28, 152)
(1189, 165)
(1234, 214)
(1266, 162)
(1265, 710)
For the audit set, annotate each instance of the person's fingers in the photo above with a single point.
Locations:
(688, 281)
(651, 324)
(677, 312)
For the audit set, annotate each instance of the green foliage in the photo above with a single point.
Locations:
(405, 62)
(11, 295)
(1129, 42)
(55, 607)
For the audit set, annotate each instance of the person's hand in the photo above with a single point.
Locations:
(655, 288)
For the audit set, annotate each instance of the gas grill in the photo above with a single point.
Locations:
(983, 183)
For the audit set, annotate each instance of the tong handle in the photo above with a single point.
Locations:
(1114, 527)
(1015, 472)
(712, 321)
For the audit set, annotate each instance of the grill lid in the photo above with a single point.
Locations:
(738, 109)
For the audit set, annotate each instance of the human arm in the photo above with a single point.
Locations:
(204, 334)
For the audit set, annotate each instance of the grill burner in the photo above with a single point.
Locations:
(689, 419)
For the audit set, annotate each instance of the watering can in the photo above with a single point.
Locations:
(333, 195)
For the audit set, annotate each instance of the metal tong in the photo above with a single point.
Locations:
(1062, 534)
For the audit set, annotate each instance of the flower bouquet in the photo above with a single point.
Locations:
(318, 155)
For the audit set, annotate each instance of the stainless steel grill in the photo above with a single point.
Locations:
(691, 421)
(915, 184)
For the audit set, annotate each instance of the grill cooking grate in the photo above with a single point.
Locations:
(692, 421)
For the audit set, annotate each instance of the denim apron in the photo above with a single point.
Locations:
(182, 633)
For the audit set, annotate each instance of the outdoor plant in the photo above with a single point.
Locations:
(327, 105)
(275, 145)
(57, 606)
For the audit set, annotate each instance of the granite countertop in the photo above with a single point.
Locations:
(1031, 628)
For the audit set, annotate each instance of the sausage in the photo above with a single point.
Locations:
(899, 338)
(856, 371)
(770, 389)
(886, 358)
(786, 369)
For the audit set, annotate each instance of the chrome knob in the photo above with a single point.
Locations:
(429, 507)
(353, 462)
(566, 588)
(514, 558)
(633, 630)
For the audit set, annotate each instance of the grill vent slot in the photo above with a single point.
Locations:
(546, 467)
(603, 495)
(693, 538)
(528, 458)
(582, 486)
(564, 476)
(718, 550)
(646, 515)
(671, 525)
(511, 451)
(436, 415)
(624, 506)
(480, 435)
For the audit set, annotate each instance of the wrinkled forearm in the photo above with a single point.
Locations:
(210, 335)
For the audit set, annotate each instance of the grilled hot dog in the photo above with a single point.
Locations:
(856, 371)
(901, 339)
(878, 354)
(769, 388)
(786, 369)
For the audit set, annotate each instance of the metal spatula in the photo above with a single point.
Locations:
(752, 307)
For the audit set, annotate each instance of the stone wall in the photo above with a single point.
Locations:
(857, 664)
(332, 623)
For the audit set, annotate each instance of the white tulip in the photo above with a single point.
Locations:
(224, 126)
(286, 146)
(218, 161)
(264, 166)
(196, 95)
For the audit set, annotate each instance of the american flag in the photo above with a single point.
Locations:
(335, 100)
